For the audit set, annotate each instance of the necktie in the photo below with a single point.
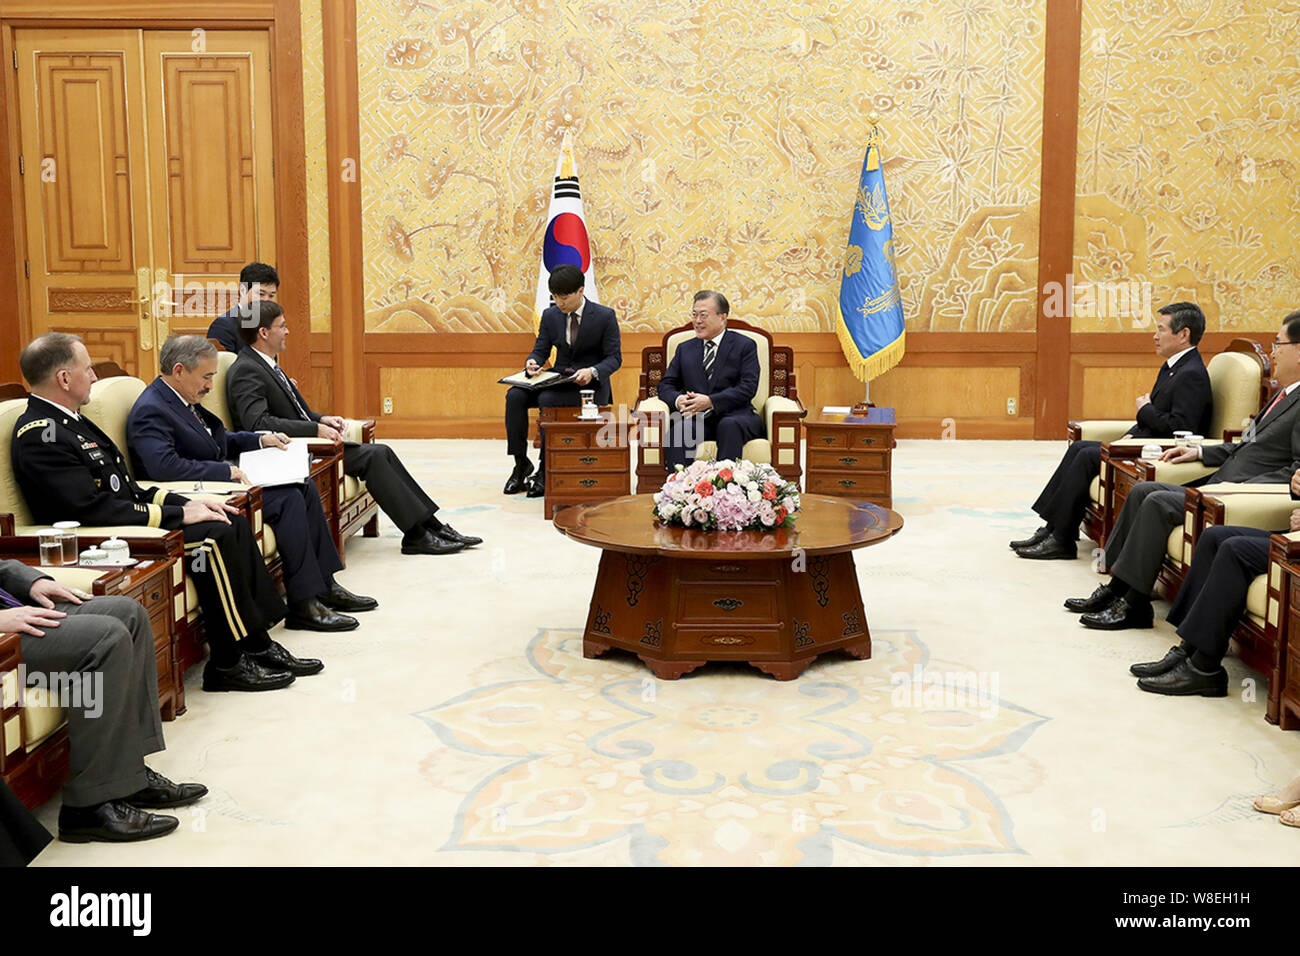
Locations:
(194, 409)
(284, 380)
(8, 600)
(1272, 405)
(573, 329)
(709, 349)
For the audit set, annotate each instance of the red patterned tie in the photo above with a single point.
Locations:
(1272, 405)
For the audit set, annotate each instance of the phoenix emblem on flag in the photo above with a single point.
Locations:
(872, 207)
(852, 259)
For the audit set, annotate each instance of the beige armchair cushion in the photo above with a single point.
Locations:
(215, 401)
(111, 401)
(1234, 380)
(1180, 473)
(11, 498)
(1257, 599)
(1271, 512)
(1103, 429)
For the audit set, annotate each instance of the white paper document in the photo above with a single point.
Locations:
(276, 466)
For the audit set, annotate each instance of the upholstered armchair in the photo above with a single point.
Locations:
(1239, 381)
(777, 401)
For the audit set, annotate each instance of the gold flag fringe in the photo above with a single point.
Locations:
(865, 368)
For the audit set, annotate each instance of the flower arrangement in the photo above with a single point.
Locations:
(727, 496)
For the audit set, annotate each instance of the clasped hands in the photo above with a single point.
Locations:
(693, 403)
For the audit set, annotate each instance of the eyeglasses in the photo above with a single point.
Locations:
(1278, 345)
(702, 315)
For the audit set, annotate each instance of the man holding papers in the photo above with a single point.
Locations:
(262, 397)
(174, 438)
(585, 338)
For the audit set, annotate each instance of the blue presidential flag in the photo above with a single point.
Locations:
(870, 327)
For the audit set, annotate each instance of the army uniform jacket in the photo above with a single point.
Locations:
(69, 470)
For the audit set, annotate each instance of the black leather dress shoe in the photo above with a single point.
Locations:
(448, 533)
(1167, 663)
(277, 656)
(312, 615)
(518, 479)
(1099, 600)
(537, 487)
(1186, 681)
(113, 822)
(1033, 539)
(1120, 616)
(339, 598)
(1050, 549)
(426, 542)
(248, 675)
(162, 794)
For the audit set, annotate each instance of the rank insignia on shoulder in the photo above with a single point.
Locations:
(90, 444)
(39, 423)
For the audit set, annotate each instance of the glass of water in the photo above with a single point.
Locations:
(51, 543)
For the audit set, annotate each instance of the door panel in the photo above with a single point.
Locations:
(213, 152)
(84, 187)
(147, 180)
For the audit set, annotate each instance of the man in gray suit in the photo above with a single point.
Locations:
(1268, 452)
(100, 653)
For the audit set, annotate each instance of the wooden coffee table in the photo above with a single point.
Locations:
(679, 597)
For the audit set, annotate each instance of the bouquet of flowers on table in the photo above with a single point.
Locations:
(727, 496)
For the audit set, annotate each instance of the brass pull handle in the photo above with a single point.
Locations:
(587, 482)
(868, 441)
(728, 604)
(847, 483)
(588, 459)
(828, 440)
(848, 461)
(567, 439)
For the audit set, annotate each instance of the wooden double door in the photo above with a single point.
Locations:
(147, 180)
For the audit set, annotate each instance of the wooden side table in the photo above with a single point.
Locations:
(1283, 706)
(586, 461)
(850, 456)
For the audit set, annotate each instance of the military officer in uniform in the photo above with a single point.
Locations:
(68, 468)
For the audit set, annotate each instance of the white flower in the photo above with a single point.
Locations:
(754, 494)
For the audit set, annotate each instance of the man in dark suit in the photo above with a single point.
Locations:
(1269, 452)
(1180, 400)
(104, 644)
(710, 384)
(262, 398)
(68, 469)
(258, 282)
(173, 438)
(586, 342)
(1227, 561)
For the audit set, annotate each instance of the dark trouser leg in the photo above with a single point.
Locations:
(732, 431)
(1137, 559)
(109, 643)
(303, 538)
(518, 401)
(1063, 502)
(386, 478)
(239, 599)
(1210, 615)
(681, 437)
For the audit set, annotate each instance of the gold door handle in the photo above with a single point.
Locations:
(143, 288)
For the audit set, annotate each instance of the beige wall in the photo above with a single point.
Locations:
(718, 145)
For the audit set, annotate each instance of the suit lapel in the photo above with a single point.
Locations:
(1278, 412)
(183, 410)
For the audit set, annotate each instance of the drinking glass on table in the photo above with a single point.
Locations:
(51, 545)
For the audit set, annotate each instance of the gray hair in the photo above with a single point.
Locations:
(47, 354)
(187, 350)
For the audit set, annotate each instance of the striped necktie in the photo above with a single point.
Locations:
(284, 380)
(709, 349)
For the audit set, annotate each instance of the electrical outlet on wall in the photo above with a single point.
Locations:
(388, 405)
(1011, 406)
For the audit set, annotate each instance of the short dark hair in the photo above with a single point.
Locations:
(1185, 315)
(719, 300)
(45, 355)
(565, 280)
(1292, 325)
(260, 273)
(186, 350)
(259, 315)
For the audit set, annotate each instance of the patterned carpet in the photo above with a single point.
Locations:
(461, 725)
